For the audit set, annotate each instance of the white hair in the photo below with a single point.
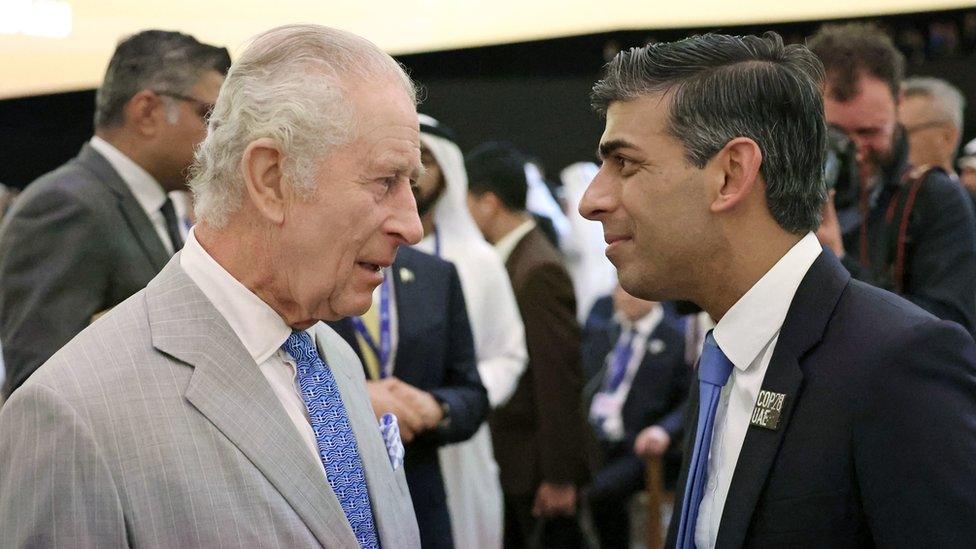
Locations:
(291, 85)
(946, 99)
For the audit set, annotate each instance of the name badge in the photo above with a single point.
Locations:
(769, 407)
(604, 405)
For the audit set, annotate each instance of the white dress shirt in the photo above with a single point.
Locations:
(610, 407)
(260, 329)
(747, 334)
(149, 194)
(506, 244)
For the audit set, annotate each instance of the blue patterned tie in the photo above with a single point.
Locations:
(713, 372)
(334, 437)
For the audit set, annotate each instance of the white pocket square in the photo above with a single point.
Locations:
(390, 430)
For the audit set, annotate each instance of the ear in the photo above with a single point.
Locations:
(261, 169)
(738, 167)
(491, 202)
(143, 112)
(952, 135)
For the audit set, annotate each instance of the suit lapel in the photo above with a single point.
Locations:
(228, 388)
(803, 328)
(131, 210)
(407, 302)
(758, 451)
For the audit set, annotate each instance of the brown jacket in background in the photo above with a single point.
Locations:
(539, 434)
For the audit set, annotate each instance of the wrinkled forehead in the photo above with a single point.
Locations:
(918, 106)
(392, 149)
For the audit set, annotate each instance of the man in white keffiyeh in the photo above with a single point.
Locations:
(470, 473)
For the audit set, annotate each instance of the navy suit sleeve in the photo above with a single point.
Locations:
(941, 275)
(618, 479)
(462, 389)
(674, 422)
(917, 424)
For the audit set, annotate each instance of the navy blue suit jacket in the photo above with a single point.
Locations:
(876, 445)
(435, 353)
(657, 397)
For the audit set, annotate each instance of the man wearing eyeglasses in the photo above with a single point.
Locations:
(911, 229)
(931, 113)
(91, 233)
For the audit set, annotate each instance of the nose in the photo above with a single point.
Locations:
(861, 145)
(404, 222)
(599, 198)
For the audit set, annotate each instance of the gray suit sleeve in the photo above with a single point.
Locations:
(53, 278)
(56, 490)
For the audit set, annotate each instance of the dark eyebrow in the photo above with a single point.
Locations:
(609, 147)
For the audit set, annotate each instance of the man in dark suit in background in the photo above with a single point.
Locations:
(826, 412)
(88, 235)
(912, 232)
(538, 435)
(416, 347)
(637, 383)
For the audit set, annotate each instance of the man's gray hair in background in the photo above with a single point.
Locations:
(161, 61)
(946, 99)
(722, 87)
(291, 85)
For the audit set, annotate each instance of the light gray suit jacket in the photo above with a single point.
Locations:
(155, 428)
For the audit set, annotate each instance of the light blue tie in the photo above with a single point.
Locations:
(713, 372)
(334, 437)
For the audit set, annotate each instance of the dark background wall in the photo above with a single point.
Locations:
(534, 94)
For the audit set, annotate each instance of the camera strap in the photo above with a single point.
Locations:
(897, 219)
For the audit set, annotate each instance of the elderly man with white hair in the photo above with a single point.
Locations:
(931, 113)
(213, 408)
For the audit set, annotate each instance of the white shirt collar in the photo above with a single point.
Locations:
(645, 324)
(759, 314)
(506, 244)
(256, 324)
(149, 194)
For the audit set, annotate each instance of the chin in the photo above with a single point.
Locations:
(354, 306)
(643, 286)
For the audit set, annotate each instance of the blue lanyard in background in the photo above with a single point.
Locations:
(382, 350)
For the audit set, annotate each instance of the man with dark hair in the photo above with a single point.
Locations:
(825, 412)
(538, 435)
(88, 235)
(911, 230)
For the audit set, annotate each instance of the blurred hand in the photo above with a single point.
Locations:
(829, 231)
(421, 403)
(384, 401)
(652, 442)
(554, 499)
